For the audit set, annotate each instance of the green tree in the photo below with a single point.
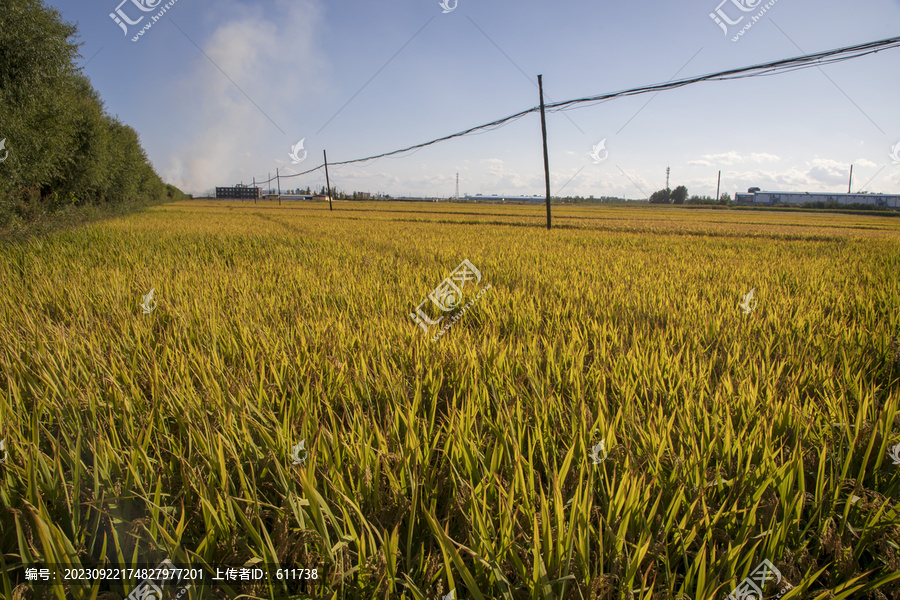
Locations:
(36, 89)
(679, 195)
(659, 197)
(84, 175)
(63, 146)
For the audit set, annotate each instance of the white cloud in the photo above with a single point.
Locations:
(827, 171)
(865, 163)
(733, 158)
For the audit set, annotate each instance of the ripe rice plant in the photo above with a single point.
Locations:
(463, 464)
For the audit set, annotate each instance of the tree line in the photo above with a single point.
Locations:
(60, 145)
(336, 193)
(680, 196)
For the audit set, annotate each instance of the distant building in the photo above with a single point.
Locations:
(502, 199)
(755, 197)
(238, 192)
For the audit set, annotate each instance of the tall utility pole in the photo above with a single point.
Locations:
(327, 181)
(667, 185)
(546, 155)
(850, 185)
(718, 186)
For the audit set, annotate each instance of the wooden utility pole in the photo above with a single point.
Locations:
(850, 185)
(718, 186)
(667, 185)
(546, 155)
(327, 180)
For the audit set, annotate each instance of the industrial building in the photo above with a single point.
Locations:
(502, 199)
(238, 192)
(756, 197)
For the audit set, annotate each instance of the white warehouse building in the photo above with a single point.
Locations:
(755, 197)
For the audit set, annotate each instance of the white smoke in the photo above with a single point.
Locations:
(263, 68)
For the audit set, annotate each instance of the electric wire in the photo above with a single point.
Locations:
(787, 65)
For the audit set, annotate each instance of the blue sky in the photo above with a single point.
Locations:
(219, 91)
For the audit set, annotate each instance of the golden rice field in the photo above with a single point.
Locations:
(469, 467)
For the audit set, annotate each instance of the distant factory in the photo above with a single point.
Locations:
(502, 199)
(238, 192)
(756, 197)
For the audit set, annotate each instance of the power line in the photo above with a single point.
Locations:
(786, 65)
(761, 70)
